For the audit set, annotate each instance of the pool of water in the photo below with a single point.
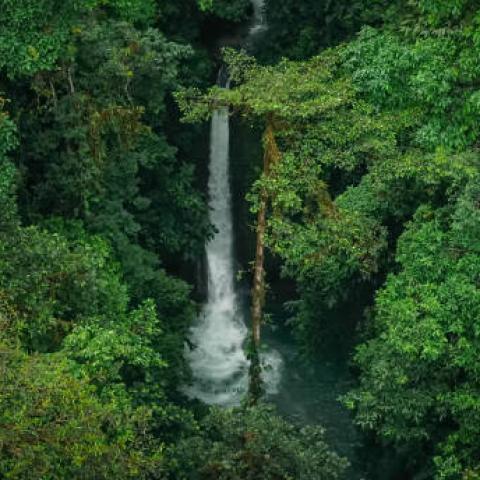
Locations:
(309, 391)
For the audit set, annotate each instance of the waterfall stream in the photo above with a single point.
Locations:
(259, 24)
(218, 361)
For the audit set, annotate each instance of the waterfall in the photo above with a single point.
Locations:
(218, 361)
(258, 24)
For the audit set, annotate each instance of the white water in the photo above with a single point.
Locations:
(259, 24)
(219, 364)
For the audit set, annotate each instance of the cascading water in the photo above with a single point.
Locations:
(258, 24)
(218, 361)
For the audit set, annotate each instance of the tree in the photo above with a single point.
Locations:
(254, 443)
(97, 149)
(49, 284)
(61, 292)
(54, 426)
(300, 30)
(235, 11)
(423, 63)
(36, 35)
(419, 368)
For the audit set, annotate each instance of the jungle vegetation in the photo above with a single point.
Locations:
(370, 113)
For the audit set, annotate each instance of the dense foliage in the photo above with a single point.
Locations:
(101, 205)
(420, 369)
(370, 113)
(255, 445)
(373, 201)
(299, 30)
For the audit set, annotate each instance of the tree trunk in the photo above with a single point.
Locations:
(271, 156)
(258, 290)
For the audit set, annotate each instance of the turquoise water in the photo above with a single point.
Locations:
(309, 393)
